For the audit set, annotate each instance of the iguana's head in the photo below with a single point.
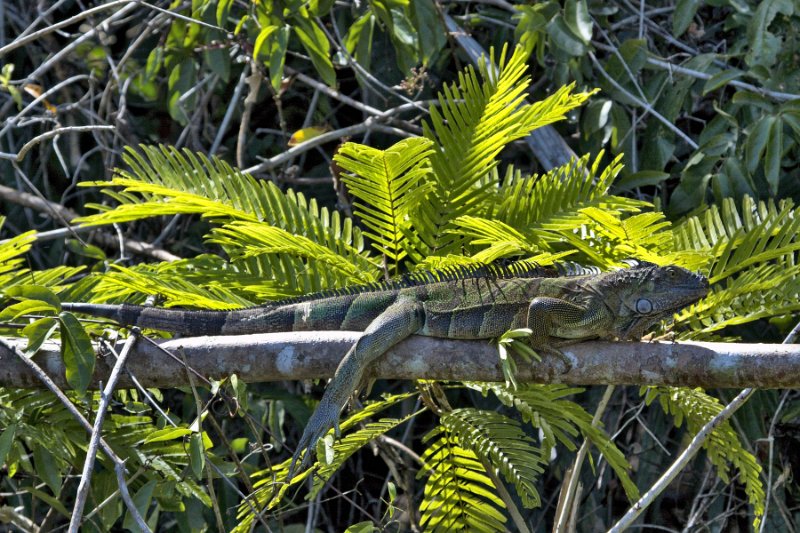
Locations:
(646, 293)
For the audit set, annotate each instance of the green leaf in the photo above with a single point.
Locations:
(34, 292)
(277, 57)
(773, 155)
(576, 16)
(86, 250)
(358, 41)
(429, 28)
(182, 79)
(197, 456)
(38, 332)
(55, 503)
(720, 79)
(166, 434)
(26, 307)
(77, 351)
(223, 10)
(756, 142)
(263, 35)
(47, 468)
(643, 178)
(6, 440)
(764, 45)
(564, 38)
(316, 44)
(141, 501)
(682, 15)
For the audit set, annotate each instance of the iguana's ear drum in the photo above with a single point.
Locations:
(644, 306)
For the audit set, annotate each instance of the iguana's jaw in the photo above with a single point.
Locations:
(659, 294)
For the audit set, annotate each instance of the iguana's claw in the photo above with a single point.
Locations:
(324, 418)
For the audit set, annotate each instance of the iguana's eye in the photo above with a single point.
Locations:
(644, 306)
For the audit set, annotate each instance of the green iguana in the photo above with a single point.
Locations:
(461, 303)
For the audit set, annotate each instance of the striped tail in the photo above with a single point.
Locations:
(181, 321)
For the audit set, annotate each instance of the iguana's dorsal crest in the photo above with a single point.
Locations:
(492, 271)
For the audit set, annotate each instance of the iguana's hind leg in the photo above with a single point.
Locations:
(398, 321)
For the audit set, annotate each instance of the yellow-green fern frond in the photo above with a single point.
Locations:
(249, 239)
(478, 118)
(542, 213)
(12, 250)
(458, 495)
(754, 270)
(501, 443)
(387, 184)
(165, 181)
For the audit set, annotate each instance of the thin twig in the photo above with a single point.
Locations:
(23, 40)
(294, 151)
(254, 84)
(644, 105)
(97, 430)
(55, 133)
(570, 484)
(90, 34)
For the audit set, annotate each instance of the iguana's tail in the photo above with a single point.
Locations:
(183, 321)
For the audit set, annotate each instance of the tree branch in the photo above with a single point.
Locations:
(313, 355)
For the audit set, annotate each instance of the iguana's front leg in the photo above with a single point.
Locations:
(400, 320)
(552, 318)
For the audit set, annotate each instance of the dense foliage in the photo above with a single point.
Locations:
(691, 147)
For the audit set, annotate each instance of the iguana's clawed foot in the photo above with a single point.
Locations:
(325, 417)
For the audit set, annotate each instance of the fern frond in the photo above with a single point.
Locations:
(12, 250)
(697, 408)
(388, 184)
(165, 181)
(477, 120)
(561, 420)
(500, 442)
(180, 285)
(762, 292)
(755, 272)
(248, 239)
(543, 213)
(458, 495)
(345, 447)
(760, 233)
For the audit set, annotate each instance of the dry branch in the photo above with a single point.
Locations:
(290, 356)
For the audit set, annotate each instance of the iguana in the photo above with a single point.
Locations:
(460, 303)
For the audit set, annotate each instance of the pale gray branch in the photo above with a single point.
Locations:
(312, 355)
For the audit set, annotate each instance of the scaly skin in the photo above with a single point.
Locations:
(621, 304)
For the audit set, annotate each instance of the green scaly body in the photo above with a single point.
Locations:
(470, 304)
